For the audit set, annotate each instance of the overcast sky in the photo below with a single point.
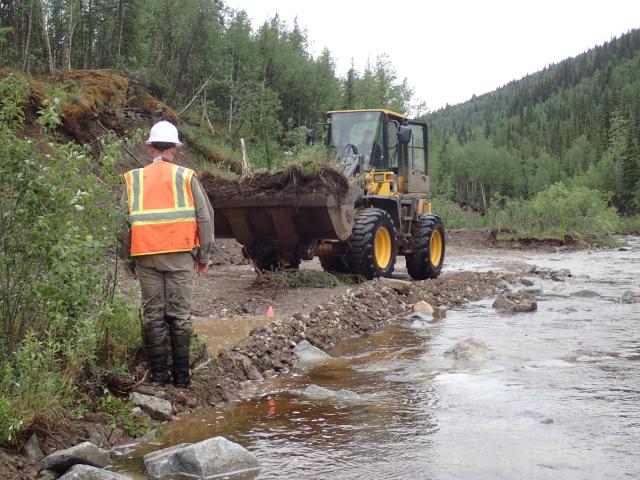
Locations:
(451, 49)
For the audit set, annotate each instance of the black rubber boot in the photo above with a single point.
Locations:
(159, 369)
(180, 371)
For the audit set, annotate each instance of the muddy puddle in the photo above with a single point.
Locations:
(226, 332)
(557, 395)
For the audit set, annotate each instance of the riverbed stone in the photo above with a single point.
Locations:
(535, 290)
(586, 294)
(419, 316)
(528, 281)
(251, 370)
(422, 306)
(210, 458)
(400, 286)
(317, 392)
(630, 297)
(308, 353)
(98, 439)
(87, 472)
(470, 349)
(503, 286)
(48, 475)
(32, 448)
(157, 408)
(538, 417)
(514, 302)
(85, 453)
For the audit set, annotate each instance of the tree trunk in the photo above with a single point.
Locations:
(70, 30)
(231, 100)
(45, 37)
(25, 53)
(121, 11)
(88, 54)
(246, 165)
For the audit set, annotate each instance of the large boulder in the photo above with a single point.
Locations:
(87, 472)
(84, 453)
(470, 350)
(157, 408)
(210, 458)
(423, 307)
(308, 353)
(515, 302)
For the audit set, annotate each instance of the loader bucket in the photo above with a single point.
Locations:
(285, 221)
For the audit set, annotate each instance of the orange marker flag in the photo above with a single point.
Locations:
(270, 312)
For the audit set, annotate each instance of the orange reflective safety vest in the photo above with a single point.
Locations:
(161, 209)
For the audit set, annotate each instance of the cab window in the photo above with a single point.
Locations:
(417, 158)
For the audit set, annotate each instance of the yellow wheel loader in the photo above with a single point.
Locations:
(385, 212)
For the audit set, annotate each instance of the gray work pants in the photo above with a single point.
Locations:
(166, 300)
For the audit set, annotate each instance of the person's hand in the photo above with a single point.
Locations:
(133, 272)
(201, 268)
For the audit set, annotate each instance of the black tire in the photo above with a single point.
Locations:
(267, 263)
(271, 262)
(337, 264)
(427, 237)
(372, 226)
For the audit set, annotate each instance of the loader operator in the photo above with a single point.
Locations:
(170, 234)
(371, 149)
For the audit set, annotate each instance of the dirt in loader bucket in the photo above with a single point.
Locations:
(291, 180)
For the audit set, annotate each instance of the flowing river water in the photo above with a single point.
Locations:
(558, 395)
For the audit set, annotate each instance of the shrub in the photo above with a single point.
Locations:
(556, 211)
(59, 308)
(453, 216)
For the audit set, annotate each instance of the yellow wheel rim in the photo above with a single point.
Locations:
(382, 247)
(435, 248)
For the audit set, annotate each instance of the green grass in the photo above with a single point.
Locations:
(216, 153)
(308, 279)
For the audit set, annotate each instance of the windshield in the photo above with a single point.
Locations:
(357, 132)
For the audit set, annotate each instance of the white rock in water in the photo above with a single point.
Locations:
(210, 458)
(320, 393)
(419, 316)
(515, 302)
(308, 353)
(423, 307)
(471, 349)
(630, 297)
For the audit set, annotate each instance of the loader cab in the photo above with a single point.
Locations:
(381, 141)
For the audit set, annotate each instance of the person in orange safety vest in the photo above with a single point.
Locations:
(170, 235)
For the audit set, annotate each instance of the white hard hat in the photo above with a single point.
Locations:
(164, 132)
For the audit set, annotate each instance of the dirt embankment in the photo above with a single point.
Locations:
(268, 350)
(92, 99)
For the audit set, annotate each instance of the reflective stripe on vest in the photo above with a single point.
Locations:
(161, 209)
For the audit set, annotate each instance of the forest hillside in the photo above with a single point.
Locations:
(575, 122)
